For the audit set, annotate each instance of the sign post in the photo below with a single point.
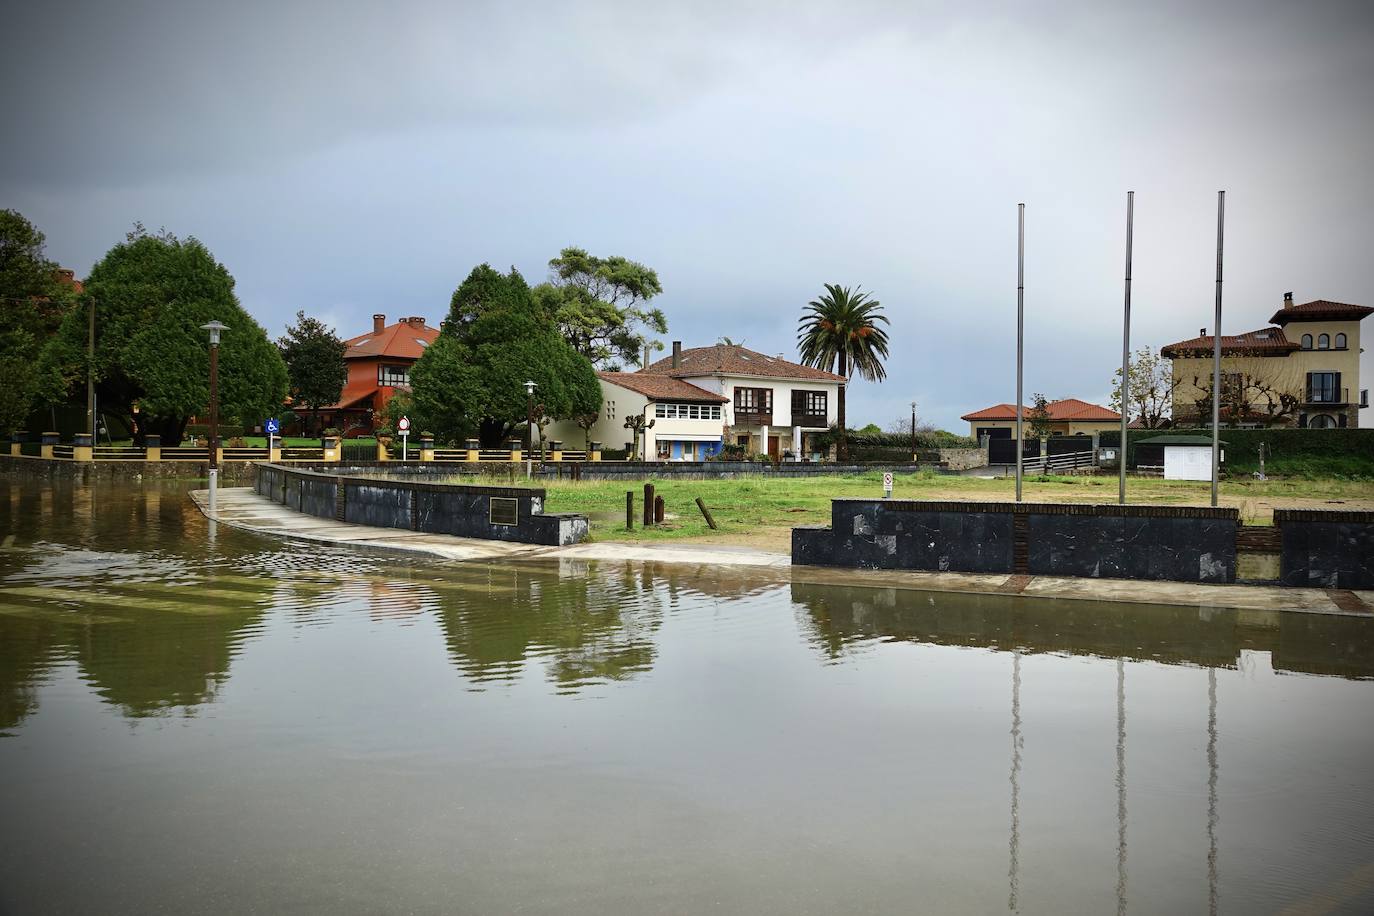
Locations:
(271, 427)
(403, 427)
(887, 485)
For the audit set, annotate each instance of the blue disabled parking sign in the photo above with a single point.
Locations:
(272, 426)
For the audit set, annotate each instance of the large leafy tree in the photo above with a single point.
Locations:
(1151, 396)
(841, 332)
(314, 357)
(600, 305)
(33, 303)
(471, 380)
(151, 294)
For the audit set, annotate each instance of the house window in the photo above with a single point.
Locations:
(393, 376)
(665, 450)
(1322, 421)
(1307, 341)
(809, 404)
(670, 411)
(1340, 341)
(1323, 387)
(754, 401)
(610, 410)
(1324, 342)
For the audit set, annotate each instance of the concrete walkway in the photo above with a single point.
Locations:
(242, 507)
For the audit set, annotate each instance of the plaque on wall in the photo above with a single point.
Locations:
(505, 510)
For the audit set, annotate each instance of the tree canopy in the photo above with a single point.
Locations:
(151, 295)
(599, 305)
(1151, 396)
(471, 380)
(33, 302)
(314, 357)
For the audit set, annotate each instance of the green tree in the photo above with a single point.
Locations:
(599, 305)
(841, 332)
(33, 303)
(471, 380)
(151, 294)
(1039, 417)
(314, 357)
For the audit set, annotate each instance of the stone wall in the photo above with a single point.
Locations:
(1182, 544)
(963, 459)
(419, 505)
(1325, 548)
(88, 472)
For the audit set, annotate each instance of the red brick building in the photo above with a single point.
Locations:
(378, 365)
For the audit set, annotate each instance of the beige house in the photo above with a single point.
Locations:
(1303, 370)
(1068, 417)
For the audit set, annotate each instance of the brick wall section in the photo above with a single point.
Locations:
(1326, 548)
(1179, 543)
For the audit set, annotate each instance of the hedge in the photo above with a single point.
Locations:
(895, 441)
(1288, 451)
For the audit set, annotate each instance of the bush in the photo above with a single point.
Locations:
(1345, 453)
(900, 441)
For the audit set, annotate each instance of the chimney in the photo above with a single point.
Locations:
(677, 354)
(1288, 300)
(1201, 332)
(378, 323)
(646, 357)
(416, 321)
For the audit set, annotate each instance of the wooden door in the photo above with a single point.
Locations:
(773, 446)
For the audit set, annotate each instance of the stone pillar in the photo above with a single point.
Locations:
(81, 447)
(763, 440)
(515, 453)
(426, 448)
(383, 450)
(17, 442)
(555, 450)
(48, 441)
(332, 451)
(796, 444)
(594, 451)
(474, 449)
(152, 448)
(274, 449)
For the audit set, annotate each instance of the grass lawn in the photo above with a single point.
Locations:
(760, 512)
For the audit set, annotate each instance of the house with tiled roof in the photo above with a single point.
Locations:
(1068, 417)
(378, 366)
(703, 398)
(1302, 370)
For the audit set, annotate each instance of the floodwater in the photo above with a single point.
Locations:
(223, 724)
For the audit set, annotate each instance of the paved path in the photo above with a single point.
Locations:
(241, 507)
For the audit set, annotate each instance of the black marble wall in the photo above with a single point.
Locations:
(1326, 548)
(1124, 542)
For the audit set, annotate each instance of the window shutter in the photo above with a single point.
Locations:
(1340, 420)
(1336, 388)
(1302, 421)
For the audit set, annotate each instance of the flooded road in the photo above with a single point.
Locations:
(221, 724)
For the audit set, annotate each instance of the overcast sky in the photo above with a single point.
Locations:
(350, 160)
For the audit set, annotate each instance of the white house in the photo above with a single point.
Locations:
(702, 398)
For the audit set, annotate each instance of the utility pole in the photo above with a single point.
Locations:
(913, 432)
(1126, 349)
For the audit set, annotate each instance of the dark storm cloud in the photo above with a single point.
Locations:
(350, 159)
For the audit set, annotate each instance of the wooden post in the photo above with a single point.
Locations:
(629, 510)
(658, 510)
(706, 513)
(648, 505)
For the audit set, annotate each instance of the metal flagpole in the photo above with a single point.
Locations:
(1216, 355)
(1020, 333)
(1126, 348)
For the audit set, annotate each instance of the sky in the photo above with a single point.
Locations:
(347, 159)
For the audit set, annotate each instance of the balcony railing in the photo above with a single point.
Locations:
(753, 417)
(810, 420)
(1327, 396)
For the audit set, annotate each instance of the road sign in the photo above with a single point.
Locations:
(887, 484)
(403, 424)
(272, 426)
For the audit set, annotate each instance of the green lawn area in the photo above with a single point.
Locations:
(762, 511)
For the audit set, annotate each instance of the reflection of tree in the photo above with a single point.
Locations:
(25, 652)
(592, 627)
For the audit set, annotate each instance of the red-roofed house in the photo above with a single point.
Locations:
(1069, 417)
(1303, 370)
(378, 365)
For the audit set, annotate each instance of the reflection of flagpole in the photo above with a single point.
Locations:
(1212, 818)
(1120, 786)
(1015, 849)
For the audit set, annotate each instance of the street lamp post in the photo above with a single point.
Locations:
(913, 432)
(214, 328)
(529, 429)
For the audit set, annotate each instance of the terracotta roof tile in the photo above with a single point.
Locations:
(1262, 341)
(401, 340)
(1063, 411)
(661, 387)
(729, 359)
(1319, 310)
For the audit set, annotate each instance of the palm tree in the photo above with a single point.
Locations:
(839, 332)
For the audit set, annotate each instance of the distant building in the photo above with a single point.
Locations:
(703, 398)
(1303, 370)
(1068, 417)
(378, 366)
